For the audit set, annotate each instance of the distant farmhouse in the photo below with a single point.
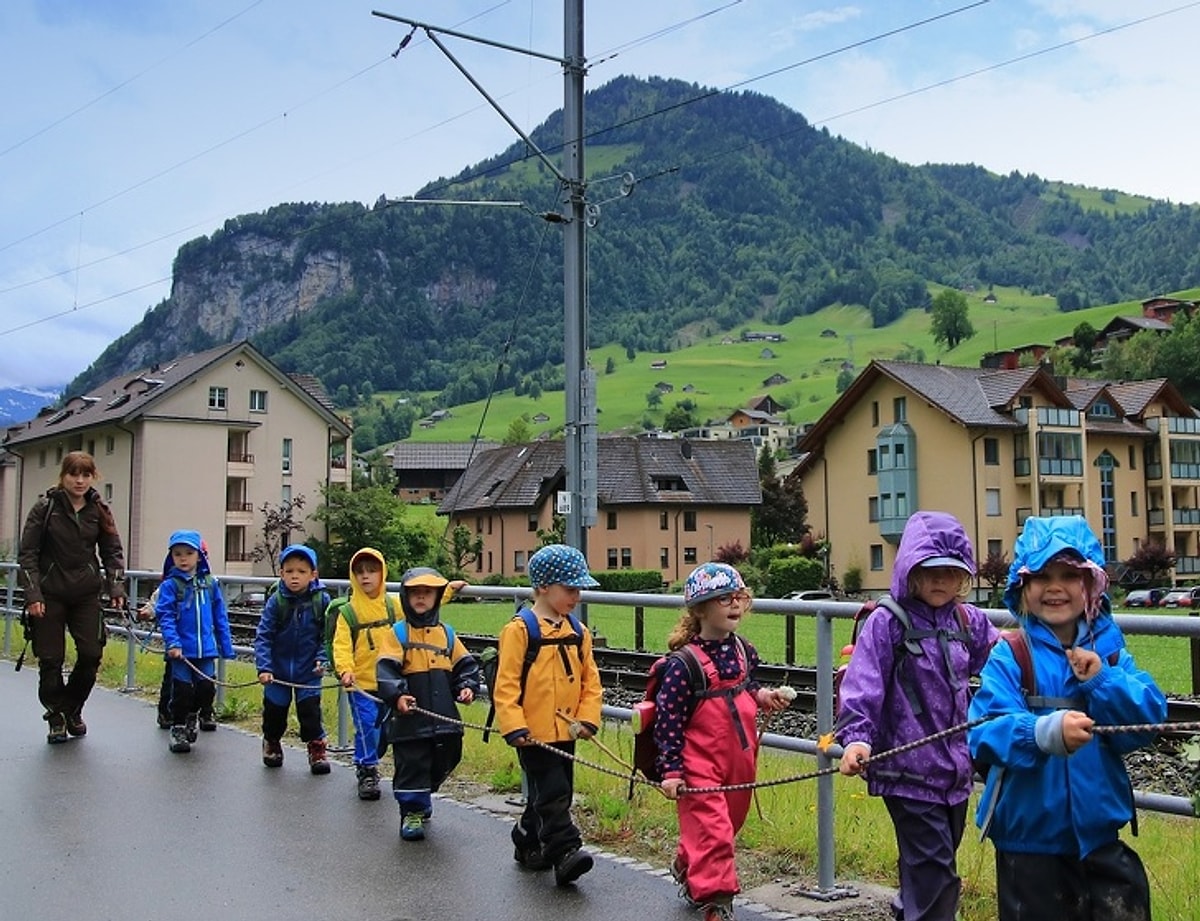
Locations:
(751, 335)
(425, 471)
(664, 504)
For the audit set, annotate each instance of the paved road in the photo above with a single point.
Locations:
(113, 827)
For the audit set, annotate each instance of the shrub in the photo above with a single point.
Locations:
(629, 580)
(793, 574)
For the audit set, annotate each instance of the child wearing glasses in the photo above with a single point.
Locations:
(907, 682)
(708, 738)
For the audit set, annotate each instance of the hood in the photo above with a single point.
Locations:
(299, 550)
(188, 539)
(375, 555)
(928, 535)
(1043, 539)
(431, 578)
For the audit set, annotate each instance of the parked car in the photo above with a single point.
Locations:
(251, 601)
(1181, 598)
(812, 594)
(1145, 597)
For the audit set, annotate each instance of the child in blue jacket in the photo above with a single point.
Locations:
(1058, 794)
(289, 647)
(195, 627)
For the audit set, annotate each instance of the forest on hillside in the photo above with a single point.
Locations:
(741, 213)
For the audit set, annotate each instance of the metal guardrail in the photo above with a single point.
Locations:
(824, 613)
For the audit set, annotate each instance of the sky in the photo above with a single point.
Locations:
(133, 126)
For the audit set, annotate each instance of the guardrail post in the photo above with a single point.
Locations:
(343, 721)
(1195, 649)
(639, 628)
(10, 584)
(789, 639)
(131, 640)
(825, 842)
(219, 700)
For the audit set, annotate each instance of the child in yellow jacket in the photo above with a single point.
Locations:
(552, 695)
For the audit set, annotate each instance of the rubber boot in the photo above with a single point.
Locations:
(318, 762)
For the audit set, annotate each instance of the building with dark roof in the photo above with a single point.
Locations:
(993, 447)
(426, 470)
(663, 504)
(203, 441)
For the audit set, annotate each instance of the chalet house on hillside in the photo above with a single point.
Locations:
(752, 335)
(765, 402)
(664, 504)
(1165, 308)
(1011, 359)
(775, 380)
(425, 471)
(995, 446)
(202, 441)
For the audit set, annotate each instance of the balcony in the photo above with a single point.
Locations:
(1047, 511)
(239, 513)
(1060, 466)
(1183, 471)
(1187, 565)
(239, 466)
(1186, 517)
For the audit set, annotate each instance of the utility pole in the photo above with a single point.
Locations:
(577, 503)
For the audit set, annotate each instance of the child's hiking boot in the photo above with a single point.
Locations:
(412, 827)
(193, 720)
(164, 720)
(272, 753)
(75, 724)
(572, 865)
(56, 731)
(719, 909)
(208, 722)
(531, 859)
(318, 761)
(368, 782)
(180, 743)
(679, 874)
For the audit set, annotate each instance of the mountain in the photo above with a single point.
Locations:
(741, 213)
(18, 405)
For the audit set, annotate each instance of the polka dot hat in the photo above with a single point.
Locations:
(559, 564)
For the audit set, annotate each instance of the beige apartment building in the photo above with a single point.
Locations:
(665, 504)
(202, 442)
(993, 447)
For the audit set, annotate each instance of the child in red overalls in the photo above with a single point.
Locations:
(709, 739)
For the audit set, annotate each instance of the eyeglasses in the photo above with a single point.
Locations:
(726, 601)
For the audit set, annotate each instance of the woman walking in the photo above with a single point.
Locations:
(69, 535)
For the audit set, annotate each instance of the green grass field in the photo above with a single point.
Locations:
(724, 376)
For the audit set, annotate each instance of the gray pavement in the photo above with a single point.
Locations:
(113, 827)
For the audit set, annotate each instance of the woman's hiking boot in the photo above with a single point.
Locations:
(208, 722)
(272, 753)
(318, 761)
(75, 724)
(368, 782)
(572, 865)
(56, 731)
(180, 743)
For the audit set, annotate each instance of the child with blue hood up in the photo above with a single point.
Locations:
(907, 682)
(195, 627)
(1058, 794)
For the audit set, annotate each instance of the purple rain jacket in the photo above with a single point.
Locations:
(874, 706)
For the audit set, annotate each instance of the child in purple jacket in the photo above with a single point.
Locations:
(907, 684)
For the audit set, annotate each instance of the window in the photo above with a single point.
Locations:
(901, 505)
(286, 495)
(531, 522)
(611, 519)
(218, 397)
(995, 548)
(900, 409)
(42, 458)
(258, 401)
(898, 454)
(91, 447)
(885, 505)
(1133, 504)
(626, 558)
(110, 444)
(519, 557)
(663, 523)
(992, 502)
(612, 557)
(478, 524)
(875, 414)
(58, 455)
(479, 561)
(108, 492)
(1132, 457)
(991, 451)
(872, 508)
(489, 524)
(689, 521)
(287, 455)
(689, 556)
(664, 557)
(876, 557)
(885, 457)
(872, 462)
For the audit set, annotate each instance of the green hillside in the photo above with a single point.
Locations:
(725, 376)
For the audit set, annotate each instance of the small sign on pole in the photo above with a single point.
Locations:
(562, 502)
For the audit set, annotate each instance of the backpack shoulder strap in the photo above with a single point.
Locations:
(533, 646)
(1018, 642)
(697, 680)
